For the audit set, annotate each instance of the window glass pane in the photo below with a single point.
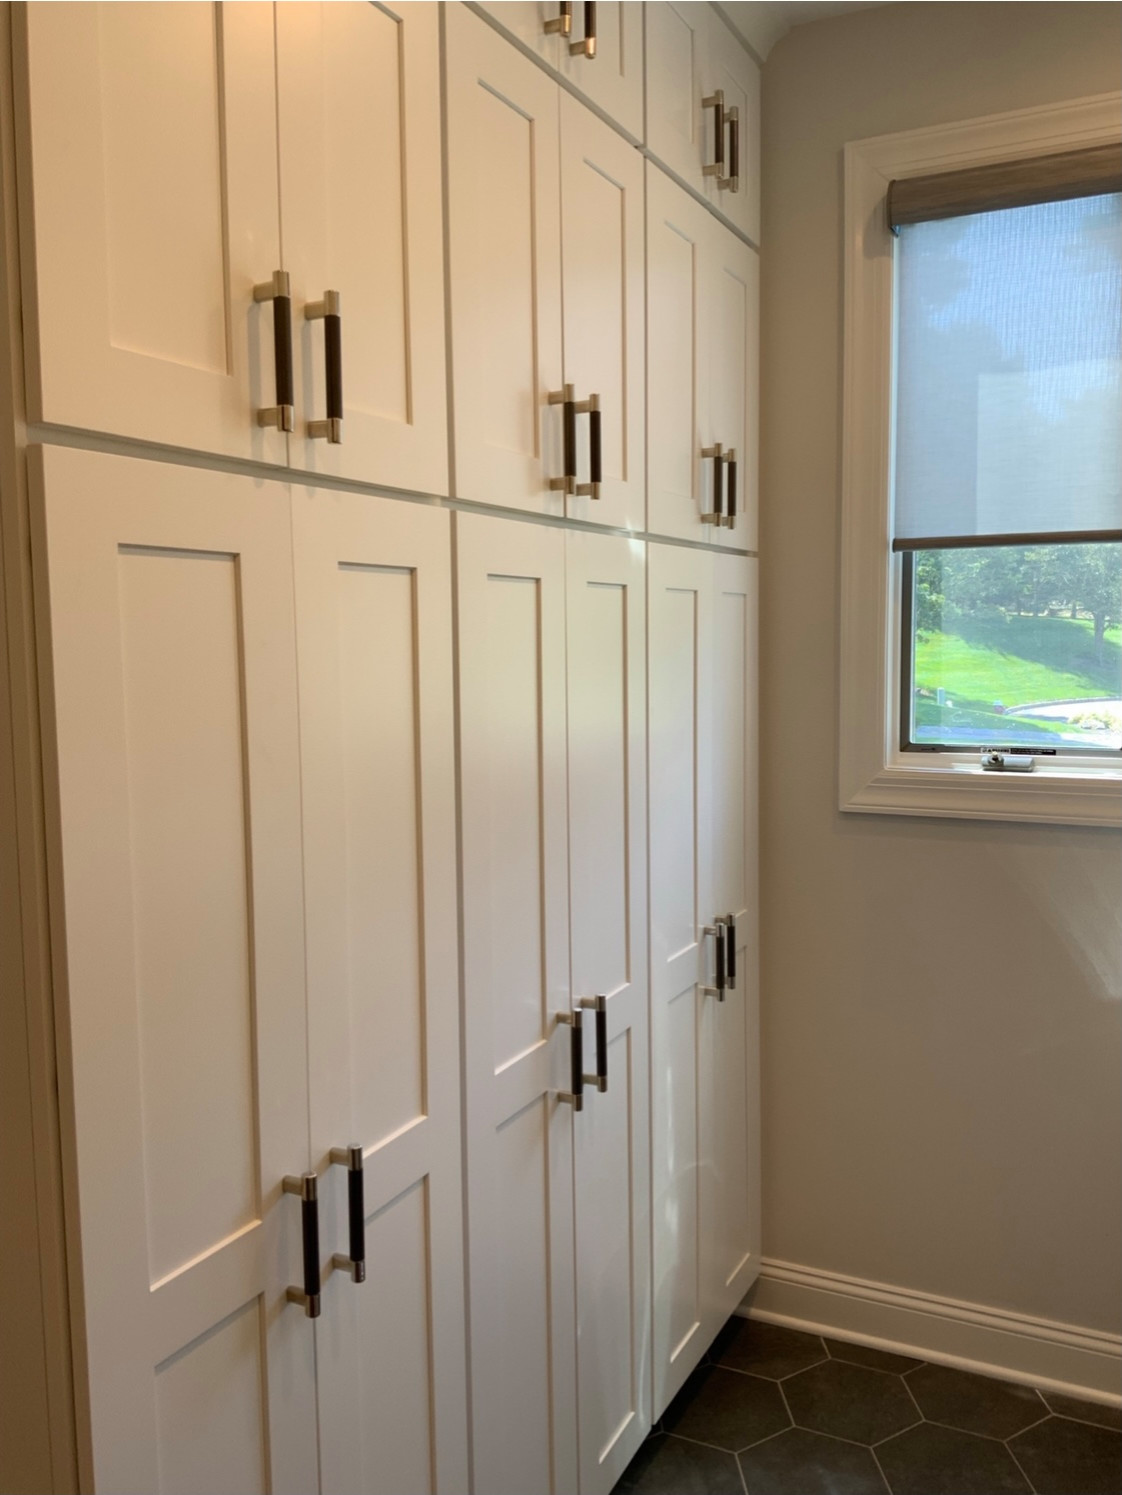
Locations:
(1017, 644)
(1009, 372)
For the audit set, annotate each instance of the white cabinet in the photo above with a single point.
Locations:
(553, 851)
(545, 211)
(254, 823)
(697, 72)
(704, 1096)
(373, 611)
(609, 72)
(170, 671)
(165, 146)
(702, 370)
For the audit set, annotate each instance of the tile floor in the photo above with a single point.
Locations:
(776, 1412)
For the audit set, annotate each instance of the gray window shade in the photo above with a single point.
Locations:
(1009, 375)
(1005, 184)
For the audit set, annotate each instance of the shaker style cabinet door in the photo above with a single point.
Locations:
(603, 58)
(608, 915)
(168, 669)
(734, 74)
(732, 1210)
(680, 481)
(732, 335)
(504, 233)
(682, 902)
(374, 627)
(518, 1043)
(150, 189)
(537, 24)
(602, 274)
(360, 181)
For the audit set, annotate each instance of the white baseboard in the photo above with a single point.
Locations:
(990, 1341)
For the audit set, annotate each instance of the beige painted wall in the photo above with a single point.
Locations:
(942, 999)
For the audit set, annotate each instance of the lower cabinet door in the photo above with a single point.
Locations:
(732, 1209)
(373, 607)
(169, 689)
(682, 905)
(608, 912)
(517, 1051)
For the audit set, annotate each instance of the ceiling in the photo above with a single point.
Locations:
(762, 24)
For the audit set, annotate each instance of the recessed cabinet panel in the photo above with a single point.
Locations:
(679, 482)
(373, 608)
(505, 272)
(733, 330)
(152, 185)
(510, 579)
(607, 898)
(170, 686)
(678, 129)
(360, 168)
(602, 267)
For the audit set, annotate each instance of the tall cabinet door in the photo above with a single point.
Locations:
(373, 600)
(360, 174)
(169, 675)
(732, 329)
(517, 1051)
(680, 684)
(731, 1206)
(504, 237)
(151, 183)
(608, 906)
(679, 481)
(602, 269)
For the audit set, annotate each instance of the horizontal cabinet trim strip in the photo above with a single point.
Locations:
(1005, 184)
(1029, 537)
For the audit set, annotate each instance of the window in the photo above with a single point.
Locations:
(982, 479)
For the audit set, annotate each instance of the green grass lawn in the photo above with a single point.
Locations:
(1017, 660)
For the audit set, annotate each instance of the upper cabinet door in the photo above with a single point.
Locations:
(606, 64)
(535, 23)
(505, 270)
(680, 482)
(732, 322)
(693, 57)
(608, 907)
(373, 609)
(152, 191)
(602, 267)
(360, 173)
(170, 679)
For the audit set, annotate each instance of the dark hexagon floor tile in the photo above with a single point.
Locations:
(929, 1460)
(799, 1462)
(849, 1401)
(670, 1466)
(1071, 1406)
(974, 1404)
(1070, 1458)
(864, 1354)
(726, 1408)
(766, 1349)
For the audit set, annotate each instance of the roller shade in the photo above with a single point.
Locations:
(1009, 376)
(1005, 184)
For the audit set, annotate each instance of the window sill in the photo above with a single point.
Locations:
(1065, 795)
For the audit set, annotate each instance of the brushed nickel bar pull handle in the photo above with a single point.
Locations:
(575, 1096)
(586, 48)
(305, 1186)
(730, 488)
(565, 397)
(562, 23)
(730, 952)
(599, 1005)
(717, 513)
(283, 413)
(591, 408)
(351, 1159)
(732, 181)
(329, 310)
(716, 102)
(717, 930)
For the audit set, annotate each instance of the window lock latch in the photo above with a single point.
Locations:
(997, 762)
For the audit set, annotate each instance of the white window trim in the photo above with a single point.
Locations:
(874, 775)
